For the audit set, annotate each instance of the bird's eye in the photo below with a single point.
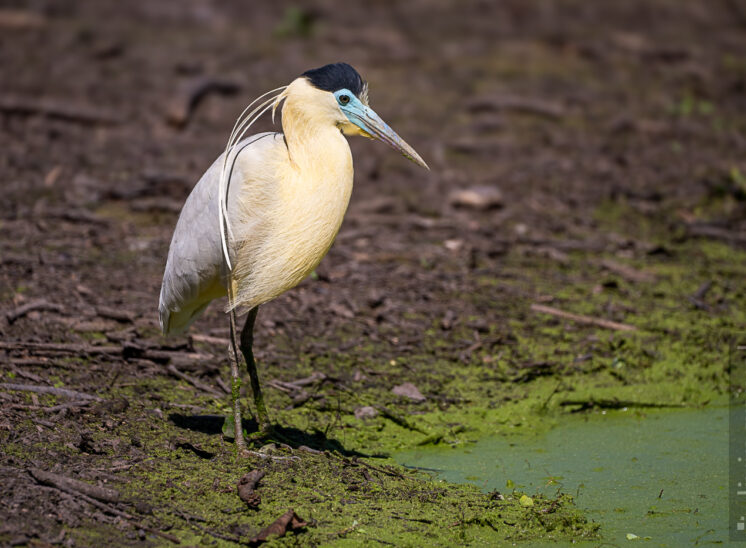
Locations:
(344, 99)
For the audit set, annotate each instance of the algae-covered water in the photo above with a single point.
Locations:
(660, 476)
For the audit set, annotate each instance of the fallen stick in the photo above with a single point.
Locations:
(56, 109)
(185, 360)
(194, 382)
(72, 394)
(289, 521)
(265, 456)
(26, 374)
(32, 361)
(21, 19)
(210, 340)
(52, 409)
(716, 233)
(281, 386)
(64, 348)
(392, 473)
(192, 94)
(698, 298)
(221, 536)
(39, 304)
(396, 419)
(115, 314)
(75, 216)
(588, 320)
(247, 488)
(111, 510)
(314, 377)
(54, 480)
(614, 404)
(221, 383)
(627, 272)
(293, 386)
(541, 107)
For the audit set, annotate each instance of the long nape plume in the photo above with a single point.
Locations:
(242, 125)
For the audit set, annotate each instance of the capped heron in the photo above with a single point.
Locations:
(267, 211)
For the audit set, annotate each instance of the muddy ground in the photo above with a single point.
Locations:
(586, 158)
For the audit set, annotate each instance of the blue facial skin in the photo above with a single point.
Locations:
(366, 119)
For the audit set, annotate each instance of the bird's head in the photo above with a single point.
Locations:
(338, 95)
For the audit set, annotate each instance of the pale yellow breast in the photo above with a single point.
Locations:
(299, 220)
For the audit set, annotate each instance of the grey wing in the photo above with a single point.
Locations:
(194, 274)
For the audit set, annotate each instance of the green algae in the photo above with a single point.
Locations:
(659, 475)
(527, 375)
(346, 502)
(674, 358)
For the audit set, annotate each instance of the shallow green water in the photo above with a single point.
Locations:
(661, 475)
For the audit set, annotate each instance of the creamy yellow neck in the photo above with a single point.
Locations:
(300, 208)
(316, 148)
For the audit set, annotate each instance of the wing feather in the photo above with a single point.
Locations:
(195, 268)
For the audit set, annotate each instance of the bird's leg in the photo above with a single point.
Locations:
(247, 341)
(235, 386)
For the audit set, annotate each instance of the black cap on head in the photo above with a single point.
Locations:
(334, 77)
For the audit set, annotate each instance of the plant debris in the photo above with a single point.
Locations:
(247, 488)
(286, 523)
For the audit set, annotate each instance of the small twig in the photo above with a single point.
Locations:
(627, 272)
(21, 19)
(541, 107)
(27, 374)
(314, 377)
(43, 362)
(716, 233)
(99, 493)
(190, 96)
(418, 520)
(106, 507)
(588, 320)
(78, 216)
(63, 348)
(703, 290)
(53, 108)
(247, 486)
(115, 314)
(391, 473)
(67, 405)
(698, 298)
(356, 462)
(281, 386)
(39, 304)
(72, 394)
(396, 419)
(52, 409)
(184, 360)
(220, 536)
(221, 383)
(293, 386)
(556, 389)
(194, 382)
(289, 521)
(196, 337)
(245, 452)
(614, 404)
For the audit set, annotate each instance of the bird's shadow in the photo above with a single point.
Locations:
(317, 440)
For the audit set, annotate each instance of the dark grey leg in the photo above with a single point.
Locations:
(247, 342)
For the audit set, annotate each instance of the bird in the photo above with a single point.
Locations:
(267, 211)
